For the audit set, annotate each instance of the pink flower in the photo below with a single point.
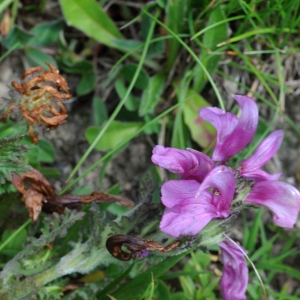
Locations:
(235, 275)
(233, 133)
(251, 167)
(190, 163)
(280, 197)
(190, 207)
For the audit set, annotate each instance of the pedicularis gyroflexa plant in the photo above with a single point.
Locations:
(209, 190)
(199, 207)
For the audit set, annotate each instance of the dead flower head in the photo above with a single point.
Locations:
(39, 101)
(38, 194)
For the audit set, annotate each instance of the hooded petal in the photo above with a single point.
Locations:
(190, 163)
(280, 197)
(235, 275)
(222, 179)
(185, 214)
(264, 152)
(233, 134)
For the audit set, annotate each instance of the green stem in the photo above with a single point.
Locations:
(120, 105)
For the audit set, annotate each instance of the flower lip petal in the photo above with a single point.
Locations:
(280, 197)
(185, 214)
(176, 192)
(177, 223)
(264, 152)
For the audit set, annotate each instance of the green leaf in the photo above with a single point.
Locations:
(176, 13)
(49, 172)
(79, 67)
(136, 287)
(116, 133)
(46, 152)
(203, 133)
(152, 94)
(4, 4)
(17, 36)
(162, 291)
(99, 111)
(88, 16)
(46, 34)
(86, 84)
(82, 190)
(36, 57)
(14, 246)
(132, 103)
(128, 72)
(211, 38)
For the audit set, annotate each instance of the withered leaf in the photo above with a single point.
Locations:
(39, 195)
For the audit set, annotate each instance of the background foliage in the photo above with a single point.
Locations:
(143, 69)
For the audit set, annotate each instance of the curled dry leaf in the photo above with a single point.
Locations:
(138, 247)
(39, 98)
(39, 195)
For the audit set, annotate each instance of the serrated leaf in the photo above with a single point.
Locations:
(116, 133)
(151, 94)
(88, 16)
(203, 133)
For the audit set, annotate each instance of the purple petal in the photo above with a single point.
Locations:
(264, 152)
(222, 179)
(187, 220)
(260, 175)
(280, 197)
(178, 191)
(233, 134)
(190, 164)
(235, 275)
(187, 215)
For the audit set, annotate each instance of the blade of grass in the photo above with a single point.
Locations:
(256, 72)
(120, 105)
(252, 33)
(4, 244)
(215, 25)
(10, 50)
(258, 96)
(193, 54)
(5, 4)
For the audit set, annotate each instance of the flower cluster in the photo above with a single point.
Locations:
(39, 98)
(208, 188)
